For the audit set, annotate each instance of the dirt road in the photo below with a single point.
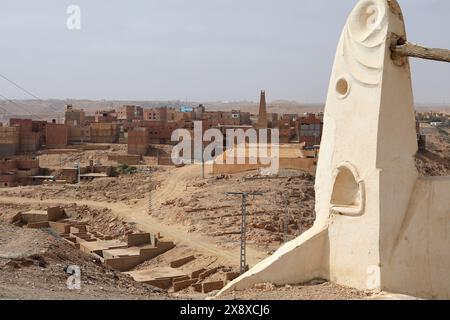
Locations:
(137, 213)
(176, 183)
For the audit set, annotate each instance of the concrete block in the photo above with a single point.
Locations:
(196, 274)
(34, 216)
(198, 287)
(38, 225)
(59, 227)
(160, 283)
(180, 262)
(178, 286)
(55, 213)
(212, 286)
(207, 273)
(139, 239)
(180, 279)
(123, 263)
(230, 276)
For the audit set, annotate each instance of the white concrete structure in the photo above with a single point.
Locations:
(378, 226)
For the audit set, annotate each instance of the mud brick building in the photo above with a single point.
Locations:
(105, 116)
(9, 141)
(57, 136)
(160, 132)
(41, 127)
(155, 114)
(79, 134)
(74, 117)
(21, 136)
(129, 113)
(104, 132)
(309, 128)
(138, 141)
(177, 116)
(29, 140)
(14, 172)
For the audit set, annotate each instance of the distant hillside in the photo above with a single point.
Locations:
(54, 109)
(272, 107)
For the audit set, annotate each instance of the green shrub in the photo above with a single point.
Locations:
(125, 169)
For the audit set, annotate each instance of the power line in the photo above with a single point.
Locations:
(20, 106)
(27, 92)
(6, 111)
(20, 87)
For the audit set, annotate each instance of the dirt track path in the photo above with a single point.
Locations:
(176, 182)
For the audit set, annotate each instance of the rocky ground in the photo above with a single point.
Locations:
(314, 290)
(128, 188)
(33, 265)
(99, 220)
(9, 210)
(33, 262)
(57, 159)
(67, 158)
(435, 161)
(203, 207)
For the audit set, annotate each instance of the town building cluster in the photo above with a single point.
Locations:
(139, 127)
(436, 119)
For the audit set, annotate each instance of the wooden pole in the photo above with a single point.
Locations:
(409, 49)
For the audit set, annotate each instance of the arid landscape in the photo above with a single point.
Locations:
(181, 206)
(191, 154)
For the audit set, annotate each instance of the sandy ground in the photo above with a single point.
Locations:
(67, 158)
(32, 264)
(194, 213)
(208, 251)
(435, 161)
(315, 290)
(166, 183)
(202, 206)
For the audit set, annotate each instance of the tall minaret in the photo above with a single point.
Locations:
(262, 117)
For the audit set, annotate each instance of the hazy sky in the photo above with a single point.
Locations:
(205, 50)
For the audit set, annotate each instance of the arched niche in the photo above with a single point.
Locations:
(348, 196)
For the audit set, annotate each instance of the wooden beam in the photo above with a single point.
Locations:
(409, 49)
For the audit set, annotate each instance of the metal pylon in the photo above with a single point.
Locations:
(243, 250)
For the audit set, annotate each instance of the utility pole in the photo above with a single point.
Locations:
(286, 218)
(203, 162)
(149, 191)
(77, 166)
(244, 196)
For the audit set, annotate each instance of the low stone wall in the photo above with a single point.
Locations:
(138, 239)
(284, 163)
(212, 286)
(130, 160)
(124, 263)
(180, 262)
(55, 213)
(128, 262)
